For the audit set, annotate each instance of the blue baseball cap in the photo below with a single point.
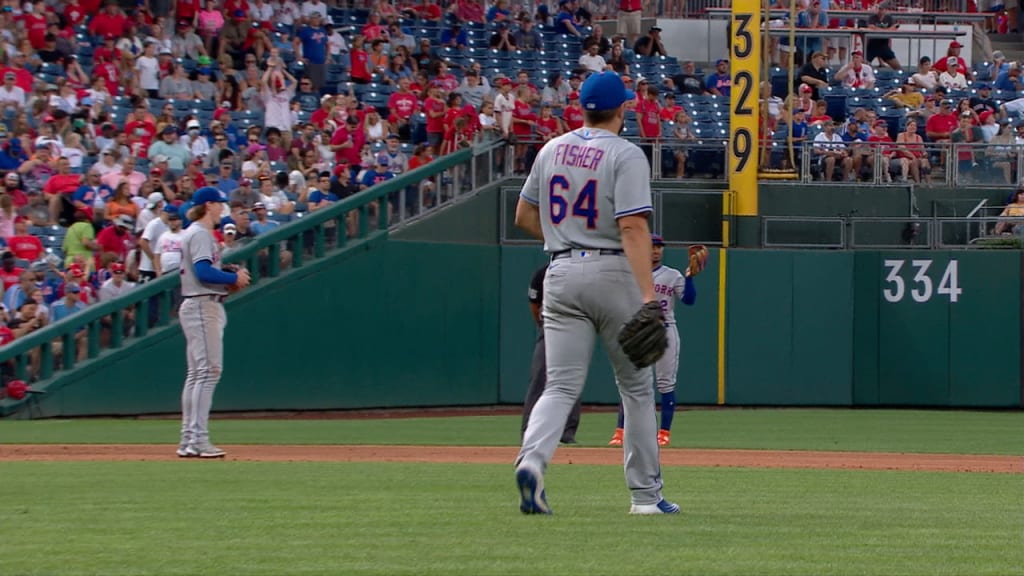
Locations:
(604, 91)
(207, 194)
(983, 86)
(171, 209)
(657, 240)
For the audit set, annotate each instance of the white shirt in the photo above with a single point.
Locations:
(15, 95)
(865, 78)
(927, 81)
(264, 13)
(336, 45)
(148, 69)
(593, 63)
(168, 247)
(277, 106)
(276, 199)
(951, 82)
(198, 146)
(308, 8)
(285, 11)
(824, 142)
(152, 233)
(74, 156)
(109, 290)
(504, 106)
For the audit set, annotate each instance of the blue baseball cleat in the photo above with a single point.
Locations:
(662, 507)
(531, 491)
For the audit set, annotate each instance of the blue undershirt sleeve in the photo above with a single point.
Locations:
(689, 292)
(210, 275)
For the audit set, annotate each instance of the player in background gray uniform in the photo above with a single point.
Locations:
(669, 285)
(588, 197)
(203, 289)
(539, 366)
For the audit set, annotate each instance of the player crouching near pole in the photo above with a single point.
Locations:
(669, 284)
(204, 286)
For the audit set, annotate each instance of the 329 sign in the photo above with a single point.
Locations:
(918, 281)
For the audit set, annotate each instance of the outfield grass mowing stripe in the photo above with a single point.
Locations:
(453, 520)
(919, 431)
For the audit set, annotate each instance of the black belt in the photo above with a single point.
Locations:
(212, 297)
(601, 251)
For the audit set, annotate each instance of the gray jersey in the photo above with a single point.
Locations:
(583, 182)
(668, 289)
(198, 244)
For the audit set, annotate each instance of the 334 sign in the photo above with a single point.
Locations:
(918, 281)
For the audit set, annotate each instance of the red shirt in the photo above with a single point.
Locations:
(941, 123)
(522, 112)
(187, 9)
(105, 24)
(23, 78)
(573, 116)
(648, 114)
(373, 31)
(25, 247)
(548, 126)
(6, 336)
(109, 241)
(360, 59)
(10, 278)
(340, 136)
(429, 12)
(402, 106)
(668, 113)
(62, 184)
(19, 197)
(629, 5)
(941, 66)
(886, 150)
(434, 106)
(35, 26)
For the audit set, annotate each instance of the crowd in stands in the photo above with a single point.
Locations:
(115, 113)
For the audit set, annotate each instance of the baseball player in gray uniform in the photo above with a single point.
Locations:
(669, 285)
(204, 285)
(588, 197)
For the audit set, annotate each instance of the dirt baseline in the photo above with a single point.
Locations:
(505, 455)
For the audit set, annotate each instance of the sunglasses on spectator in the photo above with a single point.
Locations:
(219, 139)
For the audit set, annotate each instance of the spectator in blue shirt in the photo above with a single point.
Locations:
(379, 173)
(227, 183)
(813, 17)
(455, 37)
(1009, 81)
(313, 39)
(61, 309)
(262, 224)
(565, 21)
(720, 83)
(499, 12)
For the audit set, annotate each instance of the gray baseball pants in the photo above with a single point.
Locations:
(202, 320)
(589, 295)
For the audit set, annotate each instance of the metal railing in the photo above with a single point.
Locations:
(360, 219)
(960, 165)
(862, 233)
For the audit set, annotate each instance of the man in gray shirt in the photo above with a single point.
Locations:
(473, 93)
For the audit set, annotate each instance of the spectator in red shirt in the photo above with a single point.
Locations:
(573, 113)
(12, 187)
(74, 13)
(117, 238)
(548, 126)
(25, 246)
(321, 115)
(23, 77)
(10, 273)
(435, 109)
(941, 125)
(35, 25)
(360, 61)
(668, 111)
(941, 64)
(111, 22)
(402, 104)
(374, 29)
(429, 11)
(58, 189)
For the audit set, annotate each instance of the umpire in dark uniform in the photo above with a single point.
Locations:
(539, 365)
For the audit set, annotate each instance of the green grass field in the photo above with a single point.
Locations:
(224, 517)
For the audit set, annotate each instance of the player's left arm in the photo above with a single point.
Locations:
(689, 292)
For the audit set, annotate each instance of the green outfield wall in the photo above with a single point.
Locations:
(440, 324)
